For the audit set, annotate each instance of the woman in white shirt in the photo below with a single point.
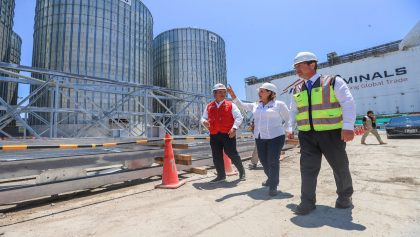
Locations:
(270, 119)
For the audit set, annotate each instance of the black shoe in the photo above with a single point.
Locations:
(265, 183)
(242, 176)
(304, 210)
(343, 203)
(252, 166)
(218, 180)
(272, 192)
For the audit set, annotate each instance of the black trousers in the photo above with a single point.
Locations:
(312, 146)
(269, 154)
(221, 142)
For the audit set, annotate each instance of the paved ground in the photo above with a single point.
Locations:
(387, 203)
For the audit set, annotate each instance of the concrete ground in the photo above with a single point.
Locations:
(387, 203)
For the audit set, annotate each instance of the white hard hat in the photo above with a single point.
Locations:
(219, 86)
(269, 86)
(304, 57)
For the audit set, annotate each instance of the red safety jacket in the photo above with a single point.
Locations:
(220, 119)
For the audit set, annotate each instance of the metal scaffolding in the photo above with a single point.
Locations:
(74, 109)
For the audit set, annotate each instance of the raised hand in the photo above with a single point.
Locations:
(231, 92)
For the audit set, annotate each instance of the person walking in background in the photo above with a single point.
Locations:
(254, 159)
(223, 118)
(369, 125)
(270, 115)
(254, 156)
(324, 111)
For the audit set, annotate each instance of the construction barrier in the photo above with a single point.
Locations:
(359, 130)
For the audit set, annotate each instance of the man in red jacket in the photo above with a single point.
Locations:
(222, 118)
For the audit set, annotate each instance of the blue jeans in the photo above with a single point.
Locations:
(269, 154)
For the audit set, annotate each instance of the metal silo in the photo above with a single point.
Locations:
(189, 59)
(110, 39)
(13, 56)
(6, 24)
(7, 8)
(14, 51)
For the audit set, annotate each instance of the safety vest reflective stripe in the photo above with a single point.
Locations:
(326, 92)
(320, 121)
(319, 107)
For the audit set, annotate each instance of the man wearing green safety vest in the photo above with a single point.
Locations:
(324, 111)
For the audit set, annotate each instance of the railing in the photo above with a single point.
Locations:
(68, 105)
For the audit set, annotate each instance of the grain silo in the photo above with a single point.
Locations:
(110, 39)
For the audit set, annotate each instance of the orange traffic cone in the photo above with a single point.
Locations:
(228, 166)
(170, 174)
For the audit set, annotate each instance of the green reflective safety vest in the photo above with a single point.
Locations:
(326, 111)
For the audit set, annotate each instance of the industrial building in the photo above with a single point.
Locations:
(384, 78)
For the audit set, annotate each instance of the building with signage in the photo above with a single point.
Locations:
(384, 79)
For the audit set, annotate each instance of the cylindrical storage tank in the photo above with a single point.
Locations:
(7, 8)
(111, 39)
(13, 56)
(191, 60)
(14, 52)
(7, 12)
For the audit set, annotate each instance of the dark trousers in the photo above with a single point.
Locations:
(312, 146)
(221, 142)
(269, 154)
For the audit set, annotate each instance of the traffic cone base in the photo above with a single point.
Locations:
(234, 172)
(172, 186)
(170, 175)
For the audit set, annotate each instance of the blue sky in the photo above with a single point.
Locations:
(262, 37)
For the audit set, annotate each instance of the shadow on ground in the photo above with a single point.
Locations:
(257, 194)
(327, 216)
(213, 186)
